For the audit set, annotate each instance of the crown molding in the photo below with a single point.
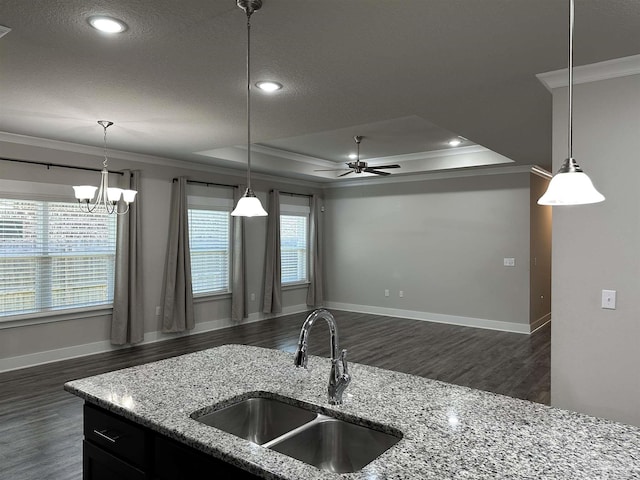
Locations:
(276, 152)
(409, 157)
(594, 72)
(148, 159)
(440, 175)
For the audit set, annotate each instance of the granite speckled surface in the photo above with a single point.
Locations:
(449, 432)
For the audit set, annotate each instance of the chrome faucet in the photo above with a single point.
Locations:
(338, 382)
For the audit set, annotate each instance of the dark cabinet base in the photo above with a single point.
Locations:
(97, 464)
(116, 448)
(174, 461)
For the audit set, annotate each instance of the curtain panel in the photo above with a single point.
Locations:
(127, 321)
(239, 307)
(315, 293)
(177, 294)
(272, 300)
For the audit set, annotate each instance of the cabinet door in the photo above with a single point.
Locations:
(174, 461)
(101, 465)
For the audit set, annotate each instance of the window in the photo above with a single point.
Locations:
(54, 257)
(209, 242)
(294, 244)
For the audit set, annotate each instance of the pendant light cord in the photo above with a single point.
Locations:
(104, 163)
(105, 124)
(249, 12)
(570, 126)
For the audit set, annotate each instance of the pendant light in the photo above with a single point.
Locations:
(570, 185)
(108, 197)
(249, 205)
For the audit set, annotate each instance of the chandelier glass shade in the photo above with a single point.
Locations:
(108, 197)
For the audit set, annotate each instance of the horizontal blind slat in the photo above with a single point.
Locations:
(53, 256)
(293, 248)
(209, 238)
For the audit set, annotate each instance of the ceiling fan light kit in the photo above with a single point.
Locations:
(360, 166)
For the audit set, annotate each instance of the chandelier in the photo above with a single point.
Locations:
(108, 197)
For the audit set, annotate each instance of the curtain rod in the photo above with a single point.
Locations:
(208, 184)
(294, 194)
(59, 165)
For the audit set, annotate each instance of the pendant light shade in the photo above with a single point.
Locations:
(570, 185)
(249, 205)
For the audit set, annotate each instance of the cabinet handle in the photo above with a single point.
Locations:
(105, 434)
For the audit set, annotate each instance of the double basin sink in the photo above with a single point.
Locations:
(315, 438)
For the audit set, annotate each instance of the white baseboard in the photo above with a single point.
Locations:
(541, 322)
(75, 351)
(434, 317)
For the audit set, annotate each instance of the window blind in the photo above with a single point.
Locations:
(53, 257)
(294, 241)
(209, 242)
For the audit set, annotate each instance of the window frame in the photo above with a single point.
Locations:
(219, 204)
(296, 210)
(47, 192)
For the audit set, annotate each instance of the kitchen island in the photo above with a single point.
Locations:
(448, 431)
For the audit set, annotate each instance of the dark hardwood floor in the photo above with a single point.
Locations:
(41, 424)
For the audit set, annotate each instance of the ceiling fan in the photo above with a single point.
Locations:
(360, 166)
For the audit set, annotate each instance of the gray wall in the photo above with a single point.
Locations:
(595, 356)
(540, 262)
(91, 333)
(441, 241)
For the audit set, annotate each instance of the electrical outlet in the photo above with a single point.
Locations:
(386, 293)
(401, 293)
(158, 310)
(253, 297)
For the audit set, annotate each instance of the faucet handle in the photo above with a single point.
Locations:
(300, 357)
(345, 365)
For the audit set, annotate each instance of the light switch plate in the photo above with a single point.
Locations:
(609, 299)
(509, 262)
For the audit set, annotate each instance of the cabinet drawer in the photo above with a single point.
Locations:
(115, 434)
(174, 461)
(100, 465)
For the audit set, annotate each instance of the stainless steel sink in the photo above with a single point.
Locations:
(336, 446)
(258, 420)
(322, 441)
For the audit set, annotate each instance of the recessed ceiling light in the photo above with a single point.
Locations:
(107, 24)
(455, 142)
(268, 86)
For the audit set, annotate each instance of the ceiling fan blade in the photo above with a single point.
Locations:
(347, 173)
(385, 166)
(377, 172)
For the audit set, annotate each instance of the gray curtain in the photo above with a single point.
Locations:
(239, 308)
(315, 293)
(127, 321)
(177, 294)
(272, 301)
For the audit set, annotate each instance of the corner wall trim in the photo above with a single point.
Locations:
(75, 351)
(512, 327)
(594, 72)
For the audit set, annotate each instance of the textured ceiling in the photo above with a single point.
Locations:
(174, 81)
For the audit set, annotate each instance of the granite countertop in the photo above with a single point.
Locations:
(449, 432)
